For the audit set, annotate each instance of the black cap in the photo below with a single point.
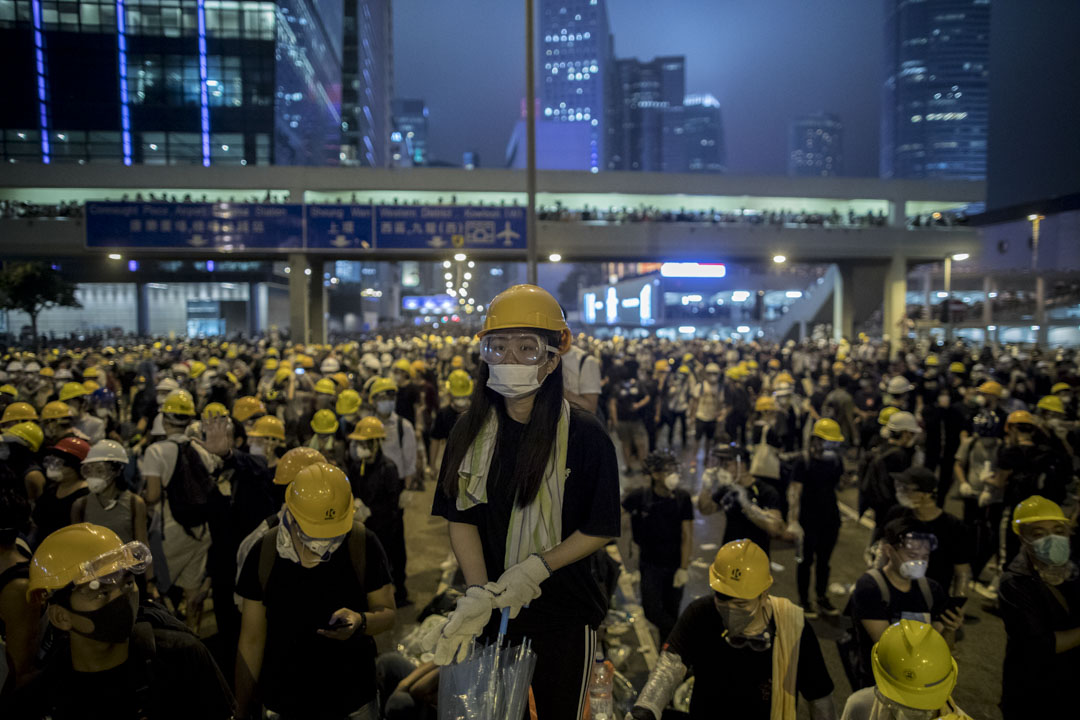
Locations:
(922, 479)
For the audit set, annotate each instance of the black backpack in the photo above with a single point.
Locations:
(190, 488)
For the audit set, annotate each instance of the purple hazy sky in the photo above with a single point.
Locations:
(765, 60)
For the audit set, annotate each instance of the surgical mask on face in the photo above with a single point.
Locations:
(980, 400)
(257, 449)
(460, 404)
(385, 407)
(907, 500)
(671, 481)
(113, 621)
(913, 569)
(54, 473)
(736, 620)
(323, 548)
(512, 380)
(360, 452)
(97, 485)
(1052, 549)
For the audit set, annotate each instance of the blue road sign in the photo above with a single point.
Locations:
(194, 226)
(339, 227)
(446, 227)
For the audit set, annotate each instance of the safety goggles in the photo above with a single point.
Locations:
(919, 542)
(52, 463)
(757, 643)
(97, 470)
(521, 348)
(113, 566)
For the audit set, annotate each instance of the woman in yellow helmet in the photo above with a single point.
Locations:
(531, 490)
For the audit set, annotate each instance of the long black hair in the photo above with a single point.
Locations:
(536, 444)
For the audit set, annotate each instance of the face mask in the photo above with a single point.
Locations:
(671, 481)
(736, 620)
(907, 500)
(323, 548)
(460, 405)
(360, 452)
(980, 400)
(385, 407)
(97, 485)
(54, 474)
(913, 569)
(1052, 549)
(1065, 399)
(257, 450)
(724, 477)
(114, 621)
(512, 380)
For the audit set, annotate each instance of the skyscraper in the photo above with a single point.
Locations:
(575, 42)
(411, 120)
(816, 146)
(367, 83)
(703, 134)
(644, 93)
(935, 98)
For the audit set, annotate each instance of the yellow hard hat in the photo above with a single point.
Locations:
(324, 422)
(28, 432)
(741, 569)
(19, 411)
(662, 365)
(282, 375)
(79, 554)
(215, 409)
(1036, 509)
(751, 364)
(403, 365)
(460, 384)
(91, 372)
(246, 408)
(90, 386)
(828, 429)
(48, 372)
(932, 361)
(348, 402)
(320, 499)
(270, 364)
(305, 361)
(1020, 417)
(381, 385)
(214, 362)
(774, 364)
(990, 387)
(418, 366)
(913, 665)
(272, 352)
(527, 306)
(784, 377)
(341, 380)
(457, 362)
(1052, 403)
(197, 369)
(268, 426)
(9, 389)
(56, 410)
(683, 370)
(293, 462)
(886, 413)
(1059, 387)
(326, 386)
(765, 403)
(957, 367)
(369, 428)
(179, 402)
(687, 357)
(72, 390)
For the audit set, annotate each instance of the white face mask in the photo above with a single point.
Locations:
(512, 380)
(385, 407)
(913, 569)
(97, 485)
(360, 452)
(54, 474)
(671, 481)
(724, 477)
(258, 450)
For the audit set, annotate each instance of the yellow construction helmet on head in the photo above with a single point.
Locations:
(828, 429)
(29, 433)
(320, 499)
(1035, 509)
(369, 428)
(48, 372)
(662, 366)
(765, 403)
(957, 368)
(784, 377)
(19, 411)
(527, 306)
(403, 365)
(78, 554)
(293, 462)
(56, 410)
(9, 390)
(1052, 403)
(91, 372)
(913, 666)
(990, 387)
(197, 369)
(741, 570)
(72, 390)
(215, 409)
(381, 385)
(1060, 387)
(270, 364)
(268, 426)
(1019, 417)
(246, 408)
(326, 386)
(90, 386)
(179, 402)
(886, 413)
(341, 380)
(324, 422)
(348, 402)
(460, 384)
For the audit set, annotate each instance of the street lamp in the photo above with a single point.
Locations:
(1040, 290)
(778, 259)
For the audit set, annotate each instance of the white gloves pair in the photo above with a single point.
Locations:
(681, 578)
(519, 585)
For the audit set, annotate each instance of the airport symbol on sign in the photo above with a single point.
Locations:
(507, 235)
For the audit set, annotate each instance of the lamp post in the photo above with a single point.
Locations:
(530, 154)
(1040, 289)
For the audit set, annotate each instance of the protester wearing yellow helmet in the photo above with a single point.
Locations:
(460, 386)
(18, 412)
(400, 444)
(315, 589)
(739, 641)
(266, 436)
(555, 466)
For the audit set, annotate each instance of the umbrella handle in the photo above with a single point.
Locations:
(504, 621)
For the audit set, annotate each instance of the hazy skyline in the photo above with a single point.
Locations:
(766, 61)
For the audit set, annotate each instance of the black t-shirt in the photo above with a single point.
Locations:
(571, 596)
(444, 422)
(1035, 470)
(819, 478)
(954, 547)
(628, 394)
(657, 524)
(407, 398)
(739, 526)
(738, 680)
(298, 663)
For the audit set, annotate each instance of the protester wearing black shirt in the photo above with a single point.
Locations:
(752, 507)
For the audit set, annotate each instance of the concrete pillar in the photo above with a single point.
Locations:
(802, 331)
(1042, 336)
(316, 303)
(142, 308)
(844, 302)
(894, 322)
(988, 302)
(928, 306)
(897, 216)
(298, 298)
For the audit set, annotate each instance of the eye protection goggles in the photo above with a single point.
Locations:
(919, 542)
(521, 348)
(113, 567)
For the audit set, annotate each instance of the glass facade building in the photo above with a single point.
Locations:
(703, 134)
(644, 114)
(935, 104)
(816, 146)
(367, 83)
(219, 82)
(575, 51)
(411, 121)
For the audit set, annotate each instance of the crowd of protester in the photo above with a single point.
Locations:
(147, 486)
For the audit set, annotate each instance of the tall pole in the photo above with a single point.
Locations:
(1040, 288)
(530, 132)
(948, 299)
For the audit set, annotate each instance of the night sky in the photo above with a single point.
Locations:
(765, 60)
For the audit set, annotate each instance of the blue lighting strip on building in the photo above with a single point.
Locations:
(125, 111)
(204, 96)
(39, 57)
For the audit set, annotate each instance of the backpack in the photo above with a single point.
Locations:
(190, 488)
(357, 544)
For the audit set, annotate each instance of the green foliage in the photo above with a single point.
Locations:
(31, 287)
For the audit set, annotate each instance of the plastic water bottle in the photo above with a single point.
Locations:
(601, 706)
(798, 548)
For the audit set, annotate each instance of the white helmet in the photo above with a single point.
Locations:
(106, 451)
(32, 367)
(370, 362)
(14, 366)
(329, 365)
(903, 422)
(63, 374)
(899, 385)
(167, 386)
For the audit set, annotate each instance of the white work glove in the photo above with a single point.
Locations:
(966, 491)
(363, 512)
(681, 578)
(519, 585)
(796, 530)
(470, 617)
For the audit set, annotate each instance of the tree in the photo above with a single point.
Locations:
(31, 287)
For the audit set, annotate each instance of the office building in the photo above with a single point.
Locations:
(575, 51)
(644, 94)
(367, 83)
(935, 96)
(816, 146)
(703, 135)
(411, 123)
